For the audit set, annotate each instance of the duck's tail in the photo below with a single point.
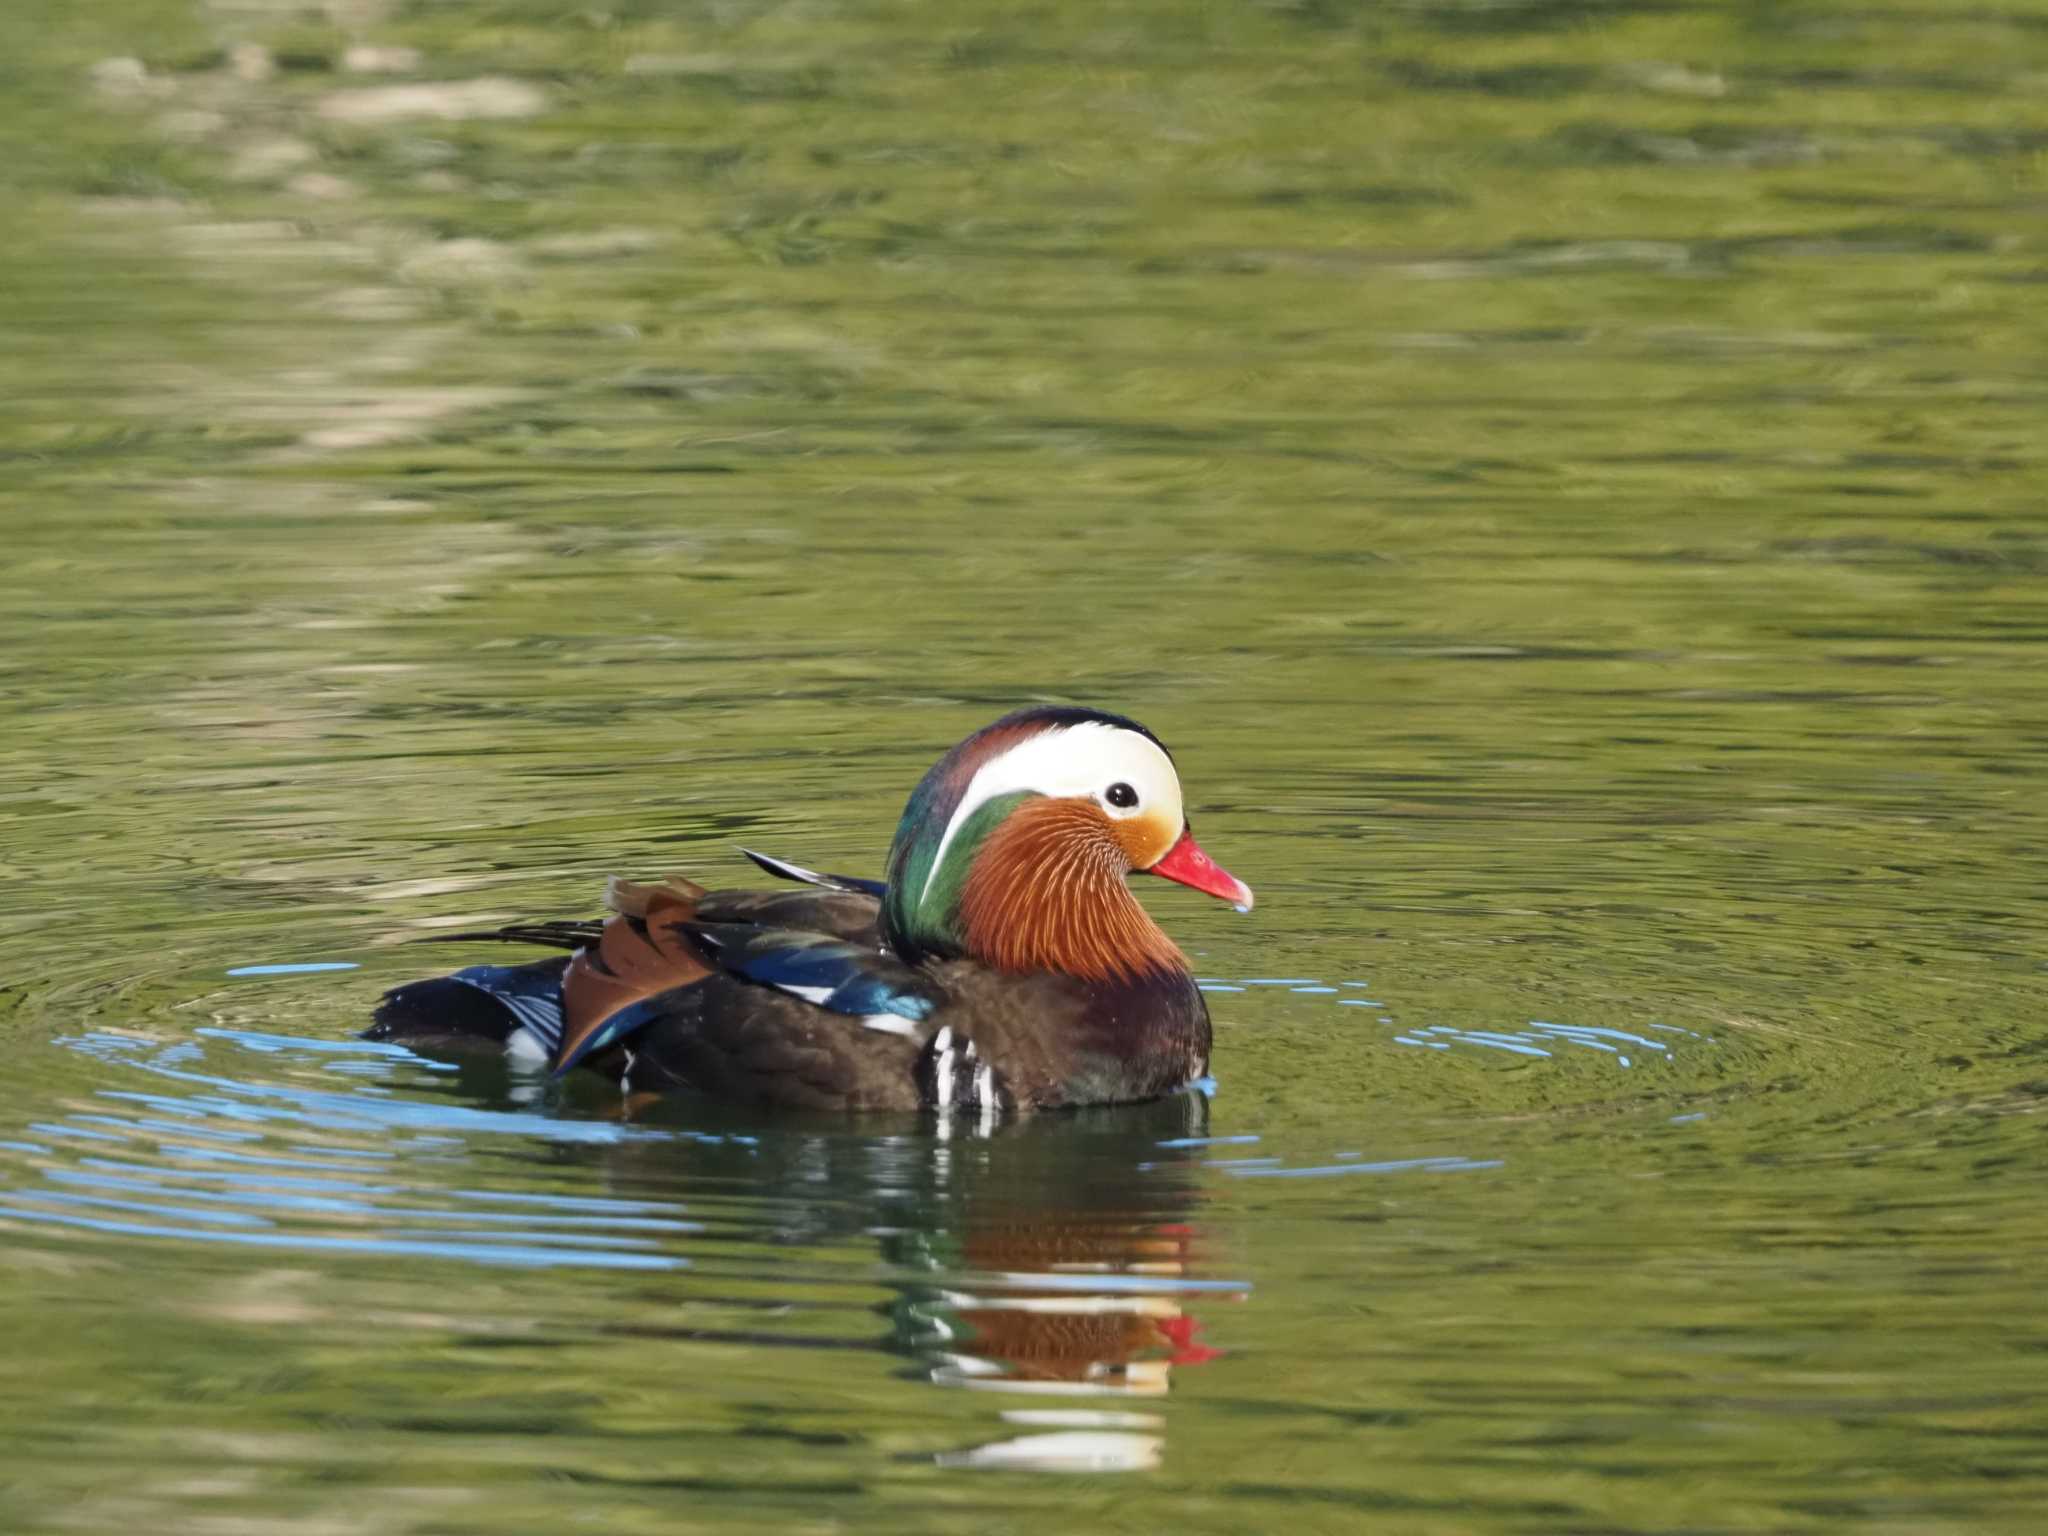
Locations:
(550, 1012)
(516, 1009)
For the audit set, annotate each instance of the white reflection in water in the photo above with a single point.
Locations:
(1072, 1450)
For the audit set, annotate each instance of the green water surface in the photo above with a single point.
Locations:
(1566, 479)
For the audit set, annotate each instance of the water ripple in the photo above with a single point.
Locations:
(263, 1163)
(1539, 1039)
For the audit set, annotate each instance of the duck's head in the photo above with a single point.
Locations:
(1013, 849)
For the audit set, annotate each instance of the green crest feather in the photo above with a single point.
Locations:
(921, 913)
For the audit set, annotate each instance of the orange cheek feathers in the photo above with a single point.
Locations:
(1047, 893)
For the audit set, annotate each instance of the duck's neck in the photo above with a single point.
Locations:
(1046, 893)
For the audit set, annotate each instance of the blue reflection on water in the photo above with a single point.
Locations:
(1397, 1165)
(274, 1164)
(303, 968)
(368, 1108)
(527, 1257)
(1539, 1039)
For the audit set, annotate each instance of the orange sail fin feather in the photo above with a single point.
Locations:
(630, 898)
(636, 957)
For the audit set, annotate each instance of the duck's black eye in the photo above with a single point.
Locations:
(1122, 796)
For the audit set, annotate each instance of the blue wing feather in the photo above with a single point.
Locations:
(532, 994)
(821, 969)
(628, 1020)
(826, 972)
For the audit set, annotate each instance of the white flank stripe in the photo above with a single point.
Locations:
(985, 1087)
(942, 1068)
(889, 1024)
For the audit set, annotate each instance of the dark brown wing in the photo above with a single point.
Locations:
(634, 958)
(848, 915)
(648, 950)
(754, 1045)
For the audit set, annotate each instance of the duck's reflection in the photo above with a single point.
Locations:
(1066, 1309)
(1056, 1282)
(1064, 1313)
(1058, 1261)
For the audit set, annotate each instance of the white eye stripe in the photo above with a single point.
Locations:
(1071, 761)
(1122, 800)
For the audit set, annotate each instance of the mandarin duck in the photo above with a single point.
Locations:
(1004, 965)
